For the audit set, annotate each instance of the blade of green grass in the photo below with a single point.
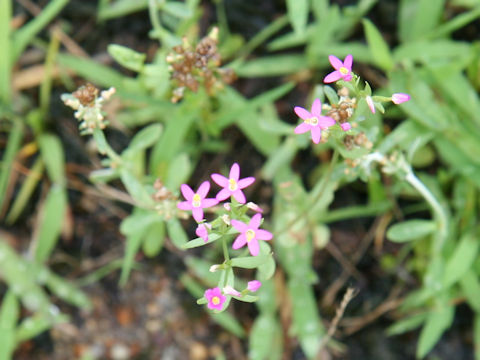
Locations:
(23, 36)
(13, 144)
(5, 14)
(46, 86)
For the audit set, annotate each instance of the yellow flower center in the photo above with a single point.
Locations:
(196, 200)
(311, 121)
(343, 70)
(232, 185)
(250, 234)
(216, 300)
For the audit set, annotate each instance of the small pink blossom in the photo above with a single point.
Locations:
(254, 207)
(343, 70)
(196, 201)
(215, 298)
(202, 231)
(233, 185)
(250, 234)
(254, 285)
(399, 98)
(346, 126)
(313, 121)
(228, 290)
(370, 104)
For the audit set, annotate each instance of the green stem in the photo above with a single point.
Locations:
(438, 211)
(104, 147)
(5, 76)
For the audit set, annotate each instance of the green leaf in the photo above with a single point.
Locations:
(297, 11)
(154, 239)
(267, 269)
(53, 157)
(470, 286)
(378, 46)
(407, 324)
(461, 260)
(136, 189)
(133, 243)
(176, 233)
(437, 322)
(418, 18)
(410, 230)
(7, 49)
(121, 8)
(145, 138)
(127, 57)
(177, 9)
(138, 221)
(178, 172)
(65, 290)
(36, 324)
(265, 340)
(276, 65)
(13, 144)
(250, 262)
(8, 320)
(50, 220)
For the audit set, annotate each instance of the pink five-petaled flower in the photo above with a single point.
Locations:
(250, 234)
(370, 104)
(196, 200)
(254, 285)
(399, 98)
(215, 298)
(313, 121)
(233, 185)
(343, 70)
(202, 231)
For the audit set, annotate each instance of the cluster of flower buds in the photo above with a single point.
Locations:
(166, 200)
(191, 67)
(340, 113)
(88, 106)
(249, 232)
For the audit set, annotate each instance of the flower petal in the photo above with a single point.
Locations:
(302, 128)
(317, 108)
(254, 247)
(184, 205)
(240, 226)
(347, 77)
(370, 104)
(325, 122)
(399, 98)
(255, 221)
(234, 172)
(332, 77)
(223, 194)
(239, 196)
(243, 183)
(316, 134)
(206, 203)
(348, 62)
(220, 180)
(203, 189)
(254, 285)
(239, 242)
(346, 126)
(302, 113)
(187, 192)
(336, 62)
(197, 214)
(263, 235)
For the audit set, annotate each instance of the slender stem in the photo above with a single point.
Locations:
(226, 255)
(5, 45)
(437, 208)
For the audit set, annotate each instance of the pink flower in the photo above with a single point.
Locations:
(228, 290)
(215, 298)
(250, 234)
(202, 231)
(399, 98)
(313, 121)
(233, 185)
(346, 126)
(370, 104)
(196, 201)
(343, 70)
(254, 285)
(254, 207)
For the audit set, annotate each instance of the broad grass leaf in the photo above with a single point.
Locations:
(438, 321)
(133, 243)
(53, 157)
(410, 230)
(266, 339)
(461, 260)
(470, 286)
(418, 17)
(407, 324)
(378, 47)
(297, 11)
(34, 325)
(50, 222)
(9, 312)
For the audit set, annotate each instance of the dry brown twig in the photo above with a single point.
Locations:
(349, 295)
